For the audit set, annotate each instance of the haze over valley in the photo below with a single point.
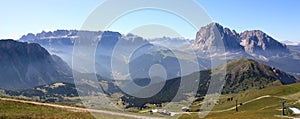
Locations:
(174, 59)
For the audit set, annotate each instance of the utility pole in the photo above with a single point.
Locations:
(283, 101)
(236, 105)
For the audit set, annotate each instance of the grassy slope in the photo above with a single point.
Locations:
(13, 110)
(19, 110)
(245, 74)
(262, 108)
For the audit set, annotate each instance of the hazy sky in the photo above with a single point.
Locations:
(278, 18)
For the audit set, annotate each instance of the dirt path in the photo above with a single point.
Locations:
(287, 117)
(78, 109)
(232, 108)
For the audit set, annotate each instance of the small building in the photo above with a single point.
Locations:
(185, 109)
(164, 112)
(294, 110)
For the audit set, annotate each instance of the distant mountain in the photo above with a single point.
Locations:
(250, 42)
(291, 43)
(171, 42)
(208, 36)
(253, 44)
(61, 43)
(241, 75)
(260, 43)
(47, 36)
(144, 53)
(26, 65)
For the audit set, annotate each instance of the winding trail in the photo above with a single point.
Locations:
(287, 117)
(232, 108)
(78, 109)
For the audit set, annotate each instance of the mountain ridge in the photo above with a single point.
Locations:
(241, 75)
(254, 44)
(25, 65)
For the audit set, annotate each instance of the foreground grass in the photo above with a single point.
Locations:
(17, 110)
(14, 110)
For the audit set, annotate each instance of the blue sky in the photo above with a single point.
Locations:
(278, 18)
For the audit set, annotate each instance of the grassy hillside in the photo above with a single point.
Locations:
(18, 110)
(264, 103)
(241, 76)
(266, 107)
(245, 74)
(12, 110)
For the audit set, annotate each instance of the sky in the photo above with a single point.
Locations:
(278, 18)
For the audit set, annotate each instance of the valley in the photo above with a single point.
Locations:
(252, 70)
(263, 103)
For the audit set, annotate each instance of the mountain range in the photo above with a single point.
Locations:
(254, 44)
(291, 43)
(241, 75)
(253, 68)
(61, 43)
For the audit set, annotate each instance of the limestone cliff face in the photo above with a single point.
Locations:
(211, 34)
(259, 42)
(251, 42)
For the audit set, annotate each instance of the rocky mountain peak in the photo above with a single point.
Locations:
(213, 34)
(252, 42)
(258, 42)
